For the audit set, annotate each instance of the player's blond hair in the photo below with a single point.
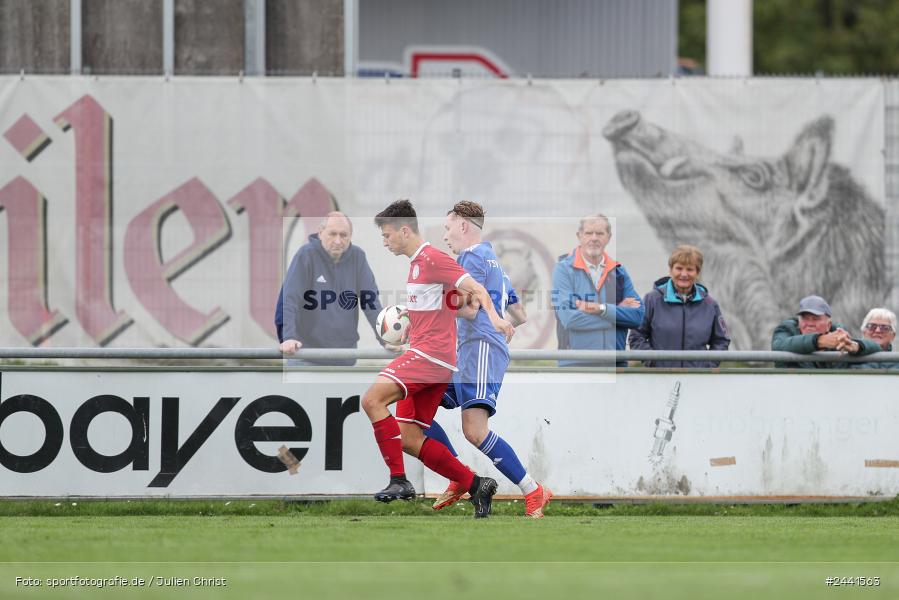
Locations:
(470, 211)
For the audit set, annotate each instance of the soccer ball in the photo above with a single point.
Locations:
(391, 326)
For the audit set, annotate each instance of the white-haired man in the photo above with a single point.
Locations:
(879, 326)
(593, 296)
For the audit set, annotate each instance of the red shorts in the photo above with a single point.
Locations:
(423, 383)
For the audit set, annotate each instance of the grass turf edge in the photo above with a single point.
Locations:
(422, 508)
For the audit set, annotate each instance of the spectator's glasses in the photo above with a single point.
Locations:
(878, 328)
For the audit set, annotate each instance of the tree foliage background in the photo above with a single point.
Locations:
(831, 37)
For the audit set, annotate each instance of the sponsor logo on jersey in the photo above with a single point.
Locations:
(424, 296)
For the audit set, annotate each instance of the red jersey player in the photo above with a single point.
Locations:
(417, 379)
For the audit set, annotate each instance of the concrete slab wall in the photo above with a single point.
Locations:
(122, 36)
(303, 36)
(209, 37)
(34, 36)
(125, 36)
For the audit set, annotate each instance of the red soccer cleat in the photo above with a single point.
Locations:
(454, 492)
(536, 501)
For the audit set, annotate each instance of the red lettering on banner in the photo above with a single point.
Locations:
(311, 201)
(26, 212)
(27, 137)
(265, 210)
(93, 219)
(150, 276)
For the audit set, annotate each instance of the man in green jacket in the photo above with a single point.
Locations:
(812, 329)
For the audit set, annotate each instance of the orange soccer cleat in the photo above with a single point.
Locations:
(454, 492)
(536, 501)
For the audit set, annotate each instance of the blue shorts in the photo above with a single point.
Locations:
(480, 376)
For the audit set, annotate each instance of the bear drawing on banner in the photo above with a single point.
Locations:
(773, 229)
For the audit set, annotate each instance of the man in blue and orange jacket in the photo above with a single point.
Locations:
(593, 295)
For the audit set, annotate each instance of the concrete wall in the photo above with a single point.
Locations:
(303, 36)
(34, 36)
(766, 435)
(209, 37)
(125, 36)
(121, 36)
(577, 38)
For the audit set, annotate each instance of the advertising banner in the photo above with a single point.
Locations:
(214, 433)
(142, 211)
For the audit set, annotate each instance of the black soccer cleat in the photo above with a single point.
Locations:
(397, 489)
(482, 497)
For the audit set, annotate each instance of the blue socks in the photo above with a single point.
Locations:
(436, 433)
(503, 457)
(497, 450)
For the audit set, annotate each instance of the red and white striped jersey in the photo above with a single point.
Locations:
(433, 277)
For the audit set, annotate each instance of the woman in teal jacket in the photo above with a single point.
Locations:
(680, 314)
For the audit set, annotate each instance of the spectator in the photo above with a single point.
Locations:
(813, 329)
(879, 326)
(327, 283)
(593, 296)
(680, 313)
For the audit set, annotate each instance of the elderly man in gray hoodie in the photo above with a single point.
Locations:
(328, 283)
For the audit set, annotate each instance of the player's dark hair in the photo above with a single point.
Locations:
(470, 211)
(398, 214)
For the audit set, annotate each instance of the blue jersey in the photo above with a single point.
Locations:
(483, 265)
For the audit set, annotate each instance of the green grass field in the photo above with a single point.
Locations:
(360, 549)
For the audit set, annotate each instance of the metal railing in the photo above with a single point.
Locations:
(322, 354)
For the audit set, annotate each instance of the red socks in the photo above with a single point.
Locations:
(434, 455)
(439, 459)
(387, 434)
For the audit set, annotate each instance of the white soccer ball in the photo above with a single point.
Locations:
(392, 323)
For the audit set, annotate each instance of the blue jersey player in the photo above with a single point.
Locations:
(483, 357)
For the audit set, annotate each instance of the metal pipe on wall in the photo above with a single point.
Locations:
(729, 38)
(350, 37)
(600, 356)
(254, 37)
(75, 37)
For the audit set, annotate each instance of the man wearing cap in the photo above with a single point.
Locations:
(812, 329)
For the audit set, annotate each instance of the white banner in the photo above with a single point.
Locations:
(208, 433)
(147, 212)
